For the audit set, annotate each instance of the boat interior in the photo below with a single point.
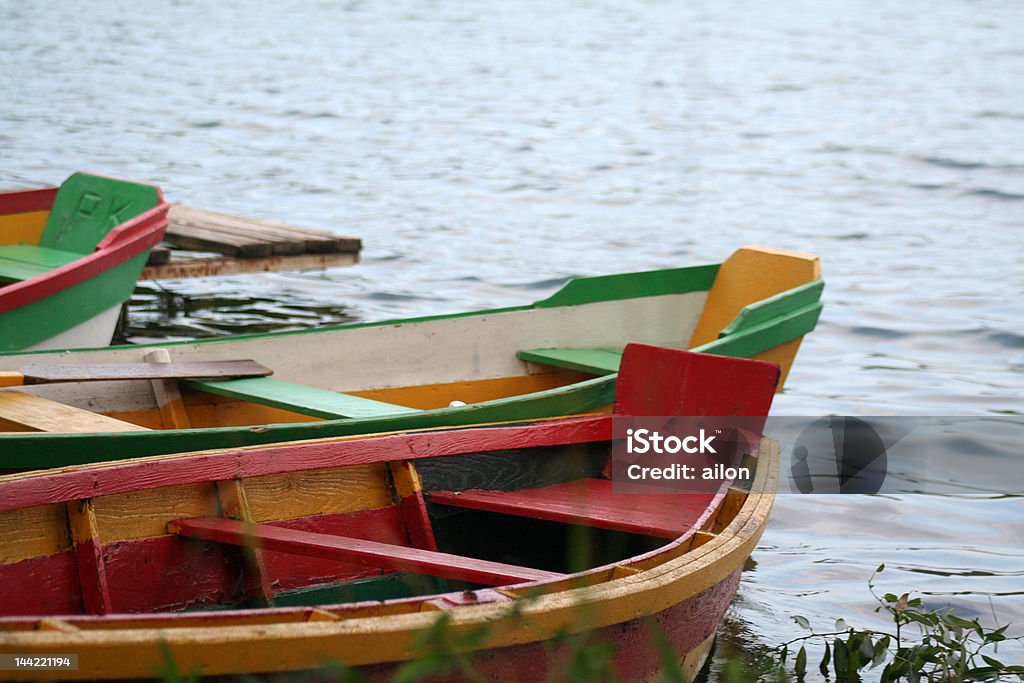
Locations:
(420, 520)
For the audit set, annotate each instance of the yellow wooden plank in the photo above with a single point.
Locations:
(750, 275)
(33, 532)
(145, 513)
(22, 228)
(318, 492)
(21, 412)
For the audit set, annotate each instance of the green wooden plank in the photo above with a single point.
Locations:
(38, 256)
(300, 398)
(586, 290)
(757, 338)
(776, 306)
(593, 361)
(16, 271)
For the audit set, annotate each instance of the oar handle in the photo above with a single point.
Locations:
(11, 379)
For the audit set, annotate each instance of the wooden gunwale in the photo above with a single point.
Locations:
(26, 201)
(387, 637)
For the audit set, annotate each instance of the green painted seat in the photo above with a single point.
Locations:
(299, 398)
(87, 207)
(23, 261)
(592, 361)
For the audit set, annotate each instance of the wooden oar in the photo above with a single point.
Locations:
(98, 372)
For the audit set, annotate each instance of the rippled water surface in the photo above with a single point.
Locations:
(487, 151)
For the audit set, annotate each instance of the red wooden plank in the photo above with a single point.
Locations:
(169, 573)
(187, 469)
(23, 201)
(657, 381)
(286, 571)
(41, 586)
(385, 555)
(590, 502)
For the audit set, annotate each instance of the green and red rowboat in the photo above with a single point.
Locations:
(555, 357)
(70, 256)
(346, 552)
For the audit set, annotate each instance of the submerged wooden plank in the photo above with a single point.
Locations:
(22, 412)
(394, 557)
(590, 502)
(213, 266)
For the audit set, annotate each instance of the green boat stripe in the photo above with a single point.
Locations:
(575, 292)
(775, 306)
(593, 361)
(588, 290)
(758, 338)
(300, 398)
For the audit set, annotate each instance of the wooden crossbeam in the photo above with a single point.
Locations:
(370, 553)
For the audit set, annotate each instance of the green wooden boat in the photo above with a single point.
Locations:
(70, 256)
(555, 357)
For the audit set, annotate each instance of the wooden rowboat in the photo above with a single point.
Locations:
(555, 357)
(347, 551)
(70, 256)
(516, 363)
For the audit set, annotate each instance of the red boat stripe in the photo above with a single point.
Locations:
(23, 201)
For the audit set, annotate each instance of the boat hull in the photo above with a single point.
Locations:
(77, 302)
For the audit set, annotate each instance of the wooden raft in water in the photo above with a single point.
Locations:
(242, 245)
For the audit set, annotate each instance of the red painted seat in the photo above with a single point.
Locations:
(590, 502)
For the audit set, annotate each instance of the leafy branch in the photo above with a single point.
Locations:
(950, 649)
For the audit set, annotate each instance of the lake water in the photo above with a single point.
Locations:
(487, 151)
